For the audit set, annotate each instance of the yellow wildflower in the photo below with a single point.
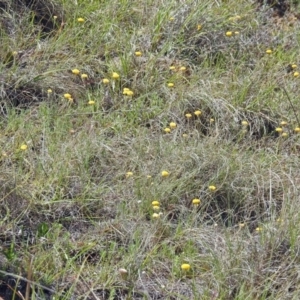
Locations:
(67, 96)
(80, 20)
(297, 129)
(188, 115)
(182, 68)
(165, 173)
(229, 33)
(172, 68)
(170, 84)
(269, 51)
(278, 129)
(185, 267)
(198, 113)
(196, 201)
(84, 76)
(115, 75)
(199, 27)
(138, 53)
(167, 130)
(244, 123)
(129, 174)
(155, 207)
(283, 123)
(75, 71)
(212, 188)
(173, 125)
(49, 91)
(155, 203)
(105, 80)
(91, 102)
(155, 216)
(23, 147)
(296, 74)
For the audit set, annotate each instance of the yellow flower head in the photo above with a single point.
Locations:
(170, 84)
(138, 53)
(198, 113)
(127, 92)
(91, 102)
(278, 129)
(84, 76)
(54, 17)
(196, 201)
(76, 71)
(49, 91)
(236, 32)
(155, 216)
(269, 51)
(244, 123)
(229, 33)
(155, 203)
(172, 68)
(167, 130)
(297, 129)
(284, 134)
(241, 225)
(199, 27)
(173, 125)
(283, 123)
(115, 75)
(185, 267)
(67, 96)
(165, 173)
(23, 147)
(182, 68)
(184, 135)
(155, 207)
(211, 120)
(258, 229)
(212, 188)
(105, 80)
(188, 115)
(129, 174)
(294, 66)
(296, 74)
(80, 20)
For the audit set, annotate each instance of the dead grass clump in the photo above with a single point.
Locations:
(42, 13)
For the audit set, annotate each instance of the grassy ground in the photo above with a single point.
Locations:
(211, 114)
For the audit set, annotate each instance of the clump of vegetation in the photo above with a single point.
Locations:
(149, 150)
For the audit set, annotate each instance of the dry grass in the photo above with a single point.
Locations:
(72, 216)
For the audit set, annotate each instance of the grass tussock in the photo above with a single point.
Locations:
(149, 150)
